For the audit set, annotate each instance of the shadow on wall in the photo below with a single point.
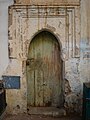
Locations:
(73, 102)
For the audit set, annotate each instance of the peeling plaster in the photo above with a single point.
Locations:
(75, 52)
(58, 23)
(4, 34)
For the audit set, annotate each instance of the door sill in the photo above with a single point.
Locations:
(47, 111)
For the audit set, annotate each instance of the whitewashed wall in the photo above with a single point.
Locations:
(85, 42)
(4, 34)
(79, 65)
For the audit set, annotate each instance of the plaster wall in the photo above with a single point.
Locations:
(75, 54)
(4, 34)
(85, 42)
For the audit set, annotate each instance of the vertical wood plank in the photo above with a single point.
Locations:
(38, 72)
(30, 77)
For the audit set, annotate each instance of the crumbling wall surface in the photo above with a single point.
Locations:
(27, 21)
(73, 99)
(64, 22)
(16, 98)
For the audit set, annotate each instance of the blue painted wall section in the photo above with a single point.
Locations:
(11, 82)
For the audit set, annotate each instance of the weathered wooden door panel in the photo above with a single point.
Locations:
(44, 71)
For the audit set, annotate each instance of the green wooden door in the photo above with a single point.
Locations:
(44, 71)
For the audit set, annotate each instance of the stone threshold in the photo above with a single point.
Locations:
(47, 111)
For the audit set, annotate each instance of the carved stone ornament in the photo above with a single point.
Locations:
(48, 2)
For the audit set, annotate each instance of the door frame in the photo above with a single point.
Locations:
(63, 63)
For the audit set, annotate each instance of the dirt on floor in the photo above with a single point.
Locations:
(39, 117)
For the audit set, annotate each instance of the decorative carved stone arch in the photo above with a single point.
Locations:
(26, 18)
(67, 27)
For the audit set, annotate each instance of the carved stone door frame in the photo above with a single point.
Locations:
(24, 22)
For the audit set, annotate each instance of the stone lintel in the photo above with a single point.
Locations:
(48, 2)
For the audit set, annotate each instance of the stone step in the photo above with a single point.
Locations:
(47, 111)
